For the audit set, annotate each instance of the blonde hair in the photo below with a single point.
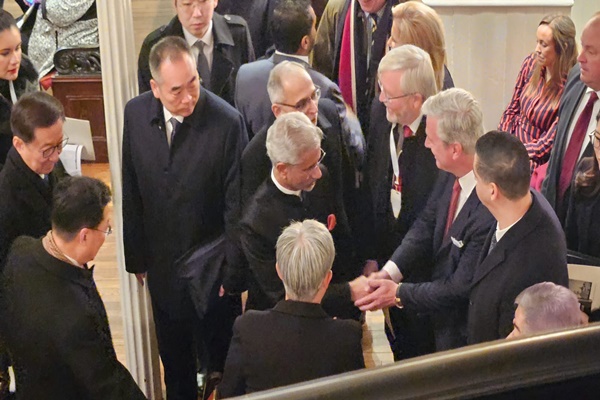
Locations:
(419, 25)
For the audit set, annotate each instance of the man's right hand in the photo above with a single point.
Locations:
(382, 274)
(140, 277)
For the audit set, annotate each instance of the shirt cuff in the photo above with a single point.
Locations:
(392, 269)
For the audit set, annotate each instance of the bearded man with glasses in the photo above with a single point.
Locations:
(32, 168)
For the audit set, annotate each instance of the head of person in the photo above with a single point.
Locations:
(80, 215)
(545, 307)
(305, 254)
(175, 80)
(37, 122)
(10, 47)
(454, 123)
(418, 24)
(195, 15)
(587, 179)
(294, 148)
(371, 6)
(406, 80)
(294, 27)
(555, 43)
(501, 168)
(291, 89)
(589, 57)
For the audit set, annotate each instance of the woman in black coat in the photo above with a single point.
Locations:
(582, 226)
(17, 77)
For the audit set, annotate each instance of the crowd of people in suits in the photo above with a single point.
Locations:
(326, 168)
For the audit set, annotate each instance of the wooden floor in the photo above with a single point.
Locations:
(375, 346)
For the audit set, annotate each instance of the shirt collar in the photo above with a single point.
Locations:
(301, 58)
(414, 126)
(208, 37)
(467, 182)
(282, 189)
(168, 116)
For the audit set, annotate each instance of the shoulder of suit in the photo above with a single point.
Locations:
(234, 20)
(168, 29)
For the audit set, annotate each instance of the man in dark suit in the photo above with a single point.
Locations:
(579, 103)
(447, 237)
(32, 168)
(351, 40)
(296, 341)
(396, 189)
(181, 201)
(53, 318)
(291, 89)
(220, 44)
(527, 245)
(296, 189)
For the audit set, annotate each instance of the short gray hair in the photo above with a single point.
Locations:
(290, 136)
(460, 119)
(277, 76)
(547, 306)
(417, 72)
(305, 254)
(172, 48)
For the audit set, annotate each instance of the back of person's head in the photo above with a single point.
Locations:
(291, 21)
(172, 48)
(503, 159)
(78, 202)
(546, 307)
(34, 110)
(415, 64)
(459, 115)
(7, 20)
(305, 254)
(418, 24)
(290, 136)
(278, 75)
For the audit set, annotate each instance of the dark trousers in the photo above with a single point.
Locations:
(179, 338)
(412, 336)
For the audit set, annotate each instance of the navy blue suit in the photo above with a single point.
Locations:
(532, 251)
(451, 259)
(178, 201)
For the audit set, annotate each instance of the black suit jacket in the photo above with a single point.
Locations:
(292, 343)
(569, 101)
(56, 328)
(419, 173)
(532, 251)
(232, 48)
(256, 165)
(265, 217)
(25, 201)
(452, 260)
(177, 198)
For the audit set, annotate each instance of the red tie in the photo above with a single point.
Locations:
(453, 206)
(407, 131)
(574, 147)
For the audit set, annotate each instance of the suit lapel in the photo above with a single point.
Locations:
(222, 66)
(457, 229)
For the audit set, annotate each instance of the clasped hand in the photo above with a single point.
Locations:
(374, 292)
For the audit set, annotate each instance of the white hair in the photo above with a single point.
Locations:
(290, 136)
(278, 75)
(305, 254)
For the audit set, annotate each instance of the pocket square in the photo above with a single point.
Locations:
(457, 243)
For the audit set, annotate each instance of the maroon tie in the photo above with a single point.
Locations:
(574, 147)
(453, 206)
(407, 131)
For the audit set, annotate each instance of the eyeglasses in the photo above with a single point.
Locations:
(304, 103)
(595, 138)
(387, 99)
(312, 167)
(46, 153)
(107, 232)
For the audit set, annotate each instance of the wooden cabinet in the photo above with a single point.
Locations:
(81, 95)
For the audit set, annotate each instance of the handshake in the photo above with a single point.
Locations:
(374, 289)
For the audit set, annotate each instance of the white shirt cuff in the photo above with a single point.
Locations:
(392, 269)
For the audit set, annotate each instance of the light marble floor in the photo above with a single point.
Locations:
(375, 346)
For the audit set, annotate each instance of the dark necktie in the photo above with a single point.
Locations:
(175, 124)
(574, 147)
(371, 36)
(203, 68)
(493, 243)
(453, 206)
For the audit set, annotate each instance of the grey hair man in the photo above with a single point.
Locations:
(449, 233)
(281, 346)
(545, 307)
(297, 189)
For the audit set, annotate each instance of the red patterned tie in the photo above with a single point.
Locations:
(453, 206)
(574, 147)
